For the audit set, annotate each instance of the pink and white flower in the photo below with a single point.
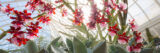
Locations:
(134, 48)
(113, 30)
(112, 33)
(123, 39)
(122, 6)
(133, 26)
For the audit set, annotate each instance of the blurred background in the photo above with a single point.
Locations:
(145, 12)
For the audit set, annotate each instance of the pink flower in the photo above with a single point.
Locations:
(138, 38)
(44, 19)
(64, 12)
(3, 9)
(113, 30)
(41, 6)
(13, 40)
(30, 37)
(19, 20)
(108, 10)
(91, 25)
(78, 17)
(19, 34)
(102, 21)
(58, 1)
(103, 24)
(113, 2)
(129, 48)
(122, 6)
(6, 9)
(123, 39)
(133, 49)
(48, 8)
(105, 3)
(112, 33)
(31, 7)
(14, 29)
(78, 21)
(94, 16)
(133, 26)
(137, 50)
(17, 41)
(137, 47)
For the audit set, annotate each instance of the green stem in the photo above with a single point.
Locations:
(75, 4)
(126, 12)
(110, 38)
(100, 32)
(1, 29)
(3, 34)
(39, 15)
(67, 4)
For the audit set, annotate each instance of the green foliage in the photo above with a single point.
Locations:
(56, 49)
(150, 50)
(100, 31)
(52, 44)
(100, 47)
(157, 50)
(69, 35)
(32, 47)
(89, 50)
(80, 36)
(115, 49)
(151, 41)
(78, 46)
(3, 51)
(42, 51)
(70, 45)
(149, 35)
(83, 29)
(3, 34)
(147, 50)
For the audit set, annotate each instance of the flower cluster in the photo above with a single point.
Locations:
(113, 4)
(18, 41)
(135, 47)
(58, 1)
(113, 30)
(78, 17)
(133, 26)
(64, 12)
(44, 19)
(137, 43)
(18, 36)
(19, 20)
(40, 5)
(123, 39)
(32, 30)
(94, 16)
(6, 9)
(23, 26)
(102, 20)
